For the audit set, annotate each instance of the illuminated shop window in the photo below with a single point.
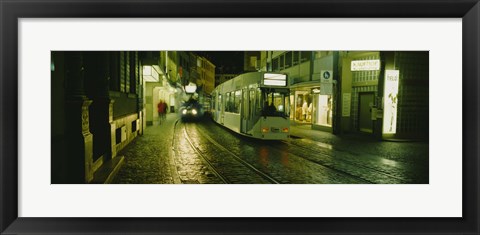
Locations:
(323, 110)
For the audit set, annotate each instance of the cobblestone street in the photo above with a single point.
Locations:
(149, 157)
(205, 153)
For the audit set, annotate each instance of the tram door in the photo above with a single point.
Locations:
(244, 112)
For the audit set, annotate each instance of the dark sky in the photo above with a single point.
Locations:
(231, 61)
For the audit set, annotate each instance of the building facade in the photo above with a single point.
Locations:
(383, 94)
(101, 101)
(221, 78)
(96, 112)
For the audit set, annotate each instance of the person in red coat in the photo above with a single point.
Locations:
(161, 111)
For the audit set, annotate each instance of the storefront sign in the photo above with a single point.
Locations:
(346, 102)
(364, 65)
(390, 101)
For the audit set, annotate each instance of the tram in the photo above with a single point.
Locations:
(191, 110)
(254, 104)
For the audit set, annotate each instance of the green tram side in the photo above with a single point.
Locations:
(254, 104)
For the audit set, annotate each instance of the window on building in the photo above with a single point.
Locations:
(282, 61)
(275, 65)
(122, 71)
(253, 61)
(296, 57)
(305, 56)
(288, 59)
(127, 72)
(133, 72)
(114, 82)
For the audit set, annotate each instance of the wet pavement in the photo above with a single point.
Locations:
(148, 158)
(205, 152)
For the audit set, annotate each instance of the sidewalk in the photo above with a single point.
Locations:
(408, 152)
(149, 159)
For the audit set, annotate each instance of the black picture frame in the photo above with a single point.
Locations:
(12, 10)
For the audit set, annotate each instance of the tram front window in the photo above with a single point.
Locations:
(275, 103)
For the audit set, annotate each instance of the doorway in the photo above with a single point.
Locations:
(365, 123)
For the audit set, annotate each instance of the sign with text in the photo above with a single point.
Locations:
(270, 79)
(390, 101)
(365, 65)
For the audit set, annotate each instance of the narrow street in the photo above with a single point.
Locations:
(240, 117)
(207, 153)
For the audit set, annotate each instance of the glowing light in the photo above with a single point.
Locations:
(191, 88)
(184, 111)
(150, 74)
(271, 79)
(194, 111)
(390, 101)
(264, 129)
(285, 129)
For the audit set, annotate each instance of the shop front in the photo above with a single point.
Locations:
(302, 113)
(312, 107)
(385, 94)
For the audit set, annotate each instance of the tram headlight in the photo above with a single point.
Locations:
(264, 129)
(184, 111)
(285, 129)
(194, 111)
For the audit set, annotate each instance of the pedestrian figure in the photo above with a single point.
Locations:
(164, 113)
(161, 110)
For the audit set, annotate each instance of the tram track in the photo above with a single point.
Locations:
(402, 180)
(324, 165)
(202, 157)
(208, 162)
(320, 164)
(364, 176)
(252, 168)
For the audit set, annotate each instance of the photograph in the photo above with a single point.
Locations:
(240, 117)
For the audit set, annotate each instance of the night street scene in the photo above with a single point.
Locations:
(240, 117)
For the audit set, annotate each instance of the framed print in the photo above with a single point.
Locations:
(323, 113)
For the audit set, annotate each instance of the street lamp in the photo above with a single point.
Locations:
(150, 73)
(191, 88)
